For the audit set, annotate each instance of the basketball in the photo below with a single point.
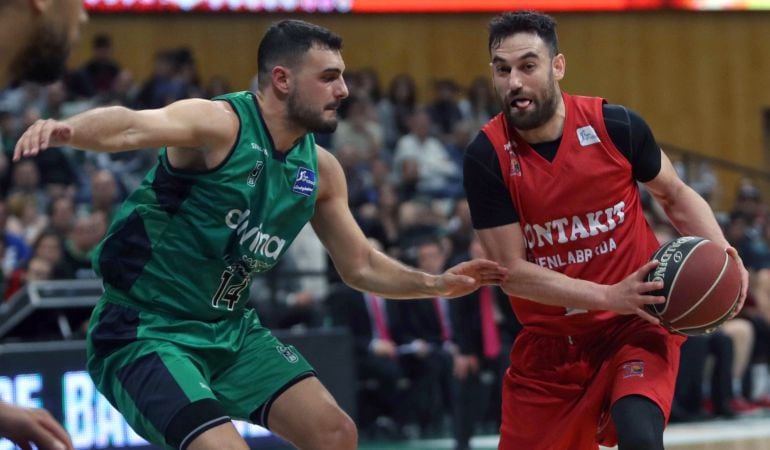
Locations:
(701, 284)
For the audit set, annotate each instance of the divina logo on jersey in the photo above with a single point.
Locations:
(261, 243)
(567, 229)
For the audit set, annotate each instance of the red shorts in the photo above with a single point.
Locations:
(558, 392)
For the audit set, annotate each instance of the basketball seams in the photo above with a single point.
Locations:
(706, 294)
(682, 264)
(712, 326)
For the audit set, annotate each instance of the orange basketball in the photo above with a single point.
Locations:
(701, 283)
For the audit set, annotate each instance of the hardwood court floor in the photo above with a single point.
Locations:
(748, 433)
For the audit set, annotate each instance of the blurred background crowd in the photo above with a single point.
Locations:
(423, 368)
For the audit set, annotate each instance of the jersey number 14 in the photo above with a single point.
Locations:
(229, 290)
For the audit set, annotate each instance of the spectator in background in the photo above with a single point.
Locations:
(25, 179)
(24, 217)
(163, 87)
(86, 233)
(36, 269)
(356, 173)
(299, 285)
(16, 250)
(61, 215)
(104, 193)
(370, 322)
(479, 105)
(358, 129)
(437, 175)
(484, 327)
(395, 109)
(444, 111)
(97, 75)
(425, 339)
(217, 86)
(49, 247)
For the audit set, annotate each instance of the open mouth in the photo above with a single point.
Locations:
(521, 103)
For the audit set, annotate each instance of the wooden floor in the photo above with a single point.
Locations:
(748, 433)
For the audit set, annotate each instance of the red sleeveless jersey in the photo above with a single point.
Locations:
(581, 214)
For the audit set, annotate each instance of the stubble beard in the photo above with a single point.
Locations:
(305, 117)
(542, 112)
(44, 59)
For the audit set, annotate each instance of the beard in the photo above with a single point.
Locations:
(543, 109)
(44, 60)
(312, 120)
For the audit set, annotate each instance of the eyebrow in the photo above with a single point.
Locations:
(332, 70)
(529, 54)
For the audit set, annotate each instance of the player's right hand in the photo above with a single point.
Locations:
(631, 294)
(41, 135)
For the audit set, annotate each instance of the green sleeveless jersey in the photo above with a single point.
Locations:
(187, 243)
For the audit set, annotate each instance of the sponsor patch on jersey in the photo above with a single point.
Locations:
(254, 174)
(515, 166)
(305, 182)
(288, 353)
(587, 136)
(633, 369)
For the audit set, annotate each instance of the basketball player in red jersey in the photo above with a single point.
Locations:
(552, 186)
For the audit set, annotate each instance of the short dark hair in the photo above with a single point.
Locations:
(285, 43)
(510, 23)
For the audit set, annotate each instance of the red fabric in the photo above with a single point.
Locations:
(557, 394)
(375, 305)
(489, 332)
(581, 213)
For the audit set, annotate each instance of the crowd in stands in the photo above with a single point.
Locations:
(403, 163)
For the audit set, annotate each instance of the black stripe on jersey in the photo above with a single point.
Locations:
(116, 328)
(171, 191)
(125, 252)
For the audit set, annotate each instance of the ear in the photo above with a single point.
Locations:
(559, 66)
(281, 77)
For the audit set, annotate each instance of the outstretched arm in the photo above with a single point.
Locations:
(366, 269)
(194, 123)
(505, 244)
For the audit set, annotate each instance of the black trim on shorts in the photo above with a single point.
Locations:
(153, 389)
(193, 420)
(260, 415)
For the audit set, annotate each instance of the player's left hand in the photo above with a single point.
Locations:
(744, 280)
(26, 426)
(468, 276)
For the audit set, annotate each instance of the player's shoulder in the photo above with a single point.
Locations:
(480, 146)
(616, 114)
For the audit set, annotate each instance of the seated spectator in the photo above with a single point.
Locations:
(87, 232)
(437, 174)
(359, 130)
(382, 387)
(16, 251)
(395, 109)
(98, 74)
(426, 342)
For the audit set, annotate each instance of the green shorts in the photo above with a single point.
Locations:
(173, 379)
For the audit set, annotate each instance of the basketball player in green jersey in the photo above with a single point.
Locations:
(170, 343)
